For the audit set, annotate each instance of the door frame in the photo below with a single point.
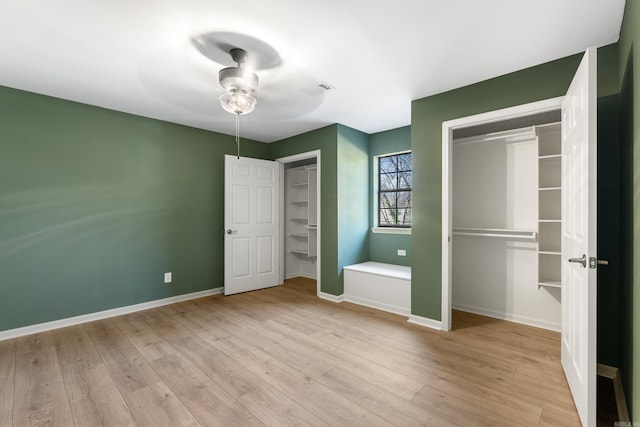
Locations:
(447, 140)
(290, 159)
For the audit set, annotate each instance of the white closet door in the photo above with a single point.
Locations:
(579, 147)
(252, 224)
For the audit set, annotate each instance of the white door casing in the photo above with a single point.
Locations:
(252, 224)
(579, 163)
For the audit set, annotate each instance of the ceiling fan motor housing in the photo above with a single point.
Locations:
(236, 79)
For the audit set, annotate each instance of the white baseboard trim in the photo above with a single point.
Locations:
(294, 275)
(509, 316)
(425, 321)
(621, 402)
(330, 297)
(99, 315)
(378, 305)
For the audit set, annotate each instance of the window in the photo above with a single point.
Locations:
(394, 190)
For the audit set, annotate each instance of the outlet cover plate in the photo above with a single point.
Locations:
(167, 277)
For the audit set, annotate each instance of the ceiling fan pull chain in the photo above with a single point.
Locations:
(238, 134)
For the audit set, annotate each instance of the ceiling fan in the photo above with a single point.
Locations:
(240, 83)
(283, 92)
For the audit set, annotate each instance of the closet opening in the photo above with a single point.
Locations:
(501, 214)
(300, 219)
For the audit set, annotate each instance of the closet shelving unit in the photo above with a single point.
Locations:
(549, 205)
(301, 212)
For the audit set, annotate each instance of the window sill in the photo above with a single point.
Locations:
(390, 230)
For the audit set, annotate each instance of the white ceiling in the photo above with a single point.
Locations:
(137, 56)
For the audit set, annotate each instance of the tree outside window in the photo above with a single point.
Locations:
(394, 190)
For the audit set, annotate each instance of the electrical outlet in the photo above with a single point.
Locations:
(167, 277)
(402, 252)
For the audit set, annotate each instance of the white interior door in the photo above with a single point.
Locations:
(252, 224)
(579, 147)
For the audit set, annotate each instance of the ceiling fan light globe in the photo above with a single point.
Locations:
(238, 103)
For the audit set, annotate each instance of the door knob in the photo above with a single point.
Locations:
(582, 260)
(229, 231)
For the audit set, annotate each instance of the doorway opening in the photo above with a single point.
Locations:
(300, 222)
(502, 176)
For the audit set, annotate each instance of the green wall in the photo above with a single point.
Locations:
(354, 204)
(96, 205)
(384, 247)
(629, 76)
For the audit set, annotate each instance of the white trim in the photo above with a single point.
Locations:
(330, 297)
(621, 402)
(390, 230)
(530, 321)
(607, 371)
(294, 158)
(294, 275)
(377, 305)
(447, 139)
(425, 321)
(400, 272)
(99, 315)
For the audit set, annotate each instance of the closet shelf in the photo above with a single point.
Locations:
(550, 220)
(300, 252)
(550, 284)
(312, 227)
(550, 156)
(542, 252)
(298, 202)
(298, 219)
(299, 236)
(300, 184)
(506, 233)
(549, 188)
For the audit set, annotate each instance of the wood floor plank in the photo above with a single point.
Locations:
(316, 398)
(386, 405)
(203, 397)
(463, 412)
(559, 418)
(392, 381)
(40, 396)
(260, 334)
(150, 400)
(7, 380)
(126, 365)
(93, 396)
(157, 405)
(268, 404)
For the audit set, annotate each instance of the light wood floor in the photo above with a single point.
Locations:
(282, 356)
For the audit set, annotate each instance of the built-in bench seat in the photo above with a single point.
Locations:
(379, 285)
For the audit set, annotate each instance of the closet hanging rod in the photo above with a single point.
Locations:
(508, 136)
(507, 233)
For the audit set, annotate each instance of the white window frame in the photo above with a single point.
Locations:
(376, 198)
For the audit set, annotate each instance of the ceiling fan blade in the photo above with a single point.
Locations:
(217, 45)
